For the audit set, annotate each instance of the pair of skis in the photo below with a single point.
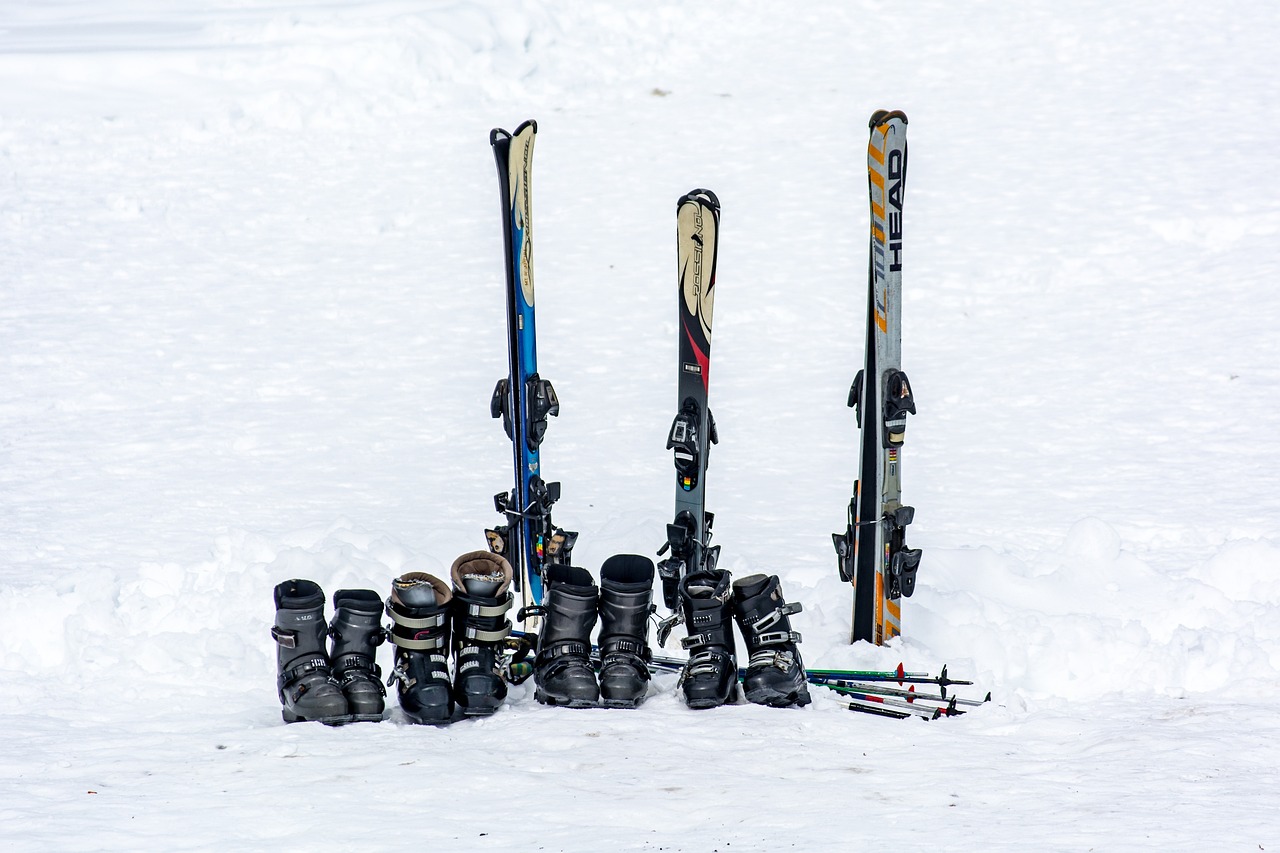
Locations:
(529, 540)
(872, 552)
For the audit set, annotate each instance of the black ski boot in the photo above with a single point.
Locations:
(626, 600)
(307, 690)
(710, 678)
(419, 607)
(356, 633)
(481, 599)
(775, 673)
(562, 669)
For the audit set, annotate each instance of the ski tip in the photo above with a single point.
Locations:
(700, 196)
(499, 134)
(880, 117)
(902, 673)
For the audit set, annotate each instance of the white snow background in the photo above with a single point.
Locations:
(251, 314)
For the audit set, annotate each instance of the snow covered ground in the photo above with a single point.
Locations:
(251, 315)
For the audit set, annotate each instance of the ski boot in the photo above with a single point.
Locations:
(562, 669)
(307, 690)
(480, 602)
(626, 600)
(419, 609)
(710, 678)
(356, 634)
(775, 673)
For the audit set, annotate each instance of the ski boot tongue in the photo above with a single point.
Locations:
(416, 592)
(481, 584)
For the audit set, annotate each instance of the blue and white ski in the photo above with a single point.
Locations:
(529, 540)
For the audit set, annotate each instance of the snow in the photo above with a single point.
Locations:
(251, 316)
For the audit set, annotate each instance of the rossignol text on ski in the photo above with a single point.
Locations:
(872, 551)
(529, 540)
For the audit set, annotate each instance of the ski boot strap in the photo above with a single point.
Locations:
(485, 608)
(480, 635)
(285, 639)
(615, 646)
(705, 662)
(309, 666)
(565, 648)
(709, 638)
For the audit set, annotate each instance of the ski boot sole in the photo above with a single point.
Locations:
(564, 702)
(429, 720)
(778, 699)
(337, 720)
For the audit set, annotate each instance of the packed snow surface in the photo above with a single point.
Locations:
(251, 314)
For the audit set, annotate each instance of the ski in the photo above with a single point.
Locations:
(694, 429)
(872, 551)
(529, 540)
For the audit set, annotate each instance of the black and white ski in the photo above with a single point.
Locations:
(872, 551)
(529, 540)
(694, 429)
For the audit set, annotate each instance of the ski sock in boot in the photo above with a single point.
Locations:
(626, 600)
(710, 678)
(356, 632)
(307, 689)
(481, 599)
(419, 609)
(775, 672)
(562, 670)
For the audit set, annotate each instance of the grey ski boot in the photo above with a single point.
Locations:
(626, 600)
(710, 678)
(419, 609)
(481, 599)
(775, 673)
(356, 632)
(562, 669)
(306, 687)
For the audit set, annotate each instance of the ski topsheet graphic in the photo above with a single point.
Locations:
(872, 552)
(694, 429)
(529, 540)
